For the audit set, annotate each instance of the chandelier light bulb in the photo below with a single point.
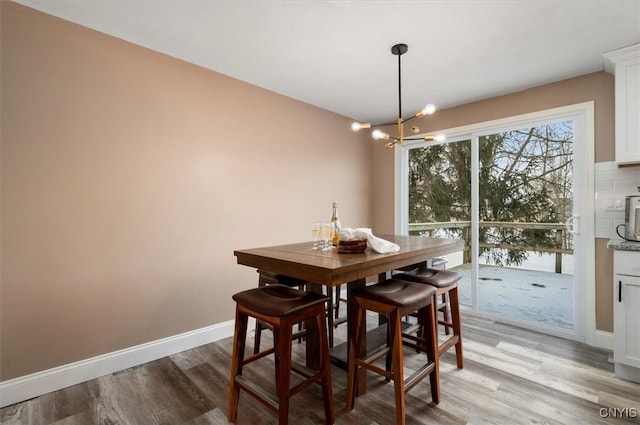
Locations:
(360, 125)
(378, 134)
(427, 110)
(436, 138)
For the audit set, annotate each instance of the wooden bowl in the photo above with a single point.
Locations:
(353, 246)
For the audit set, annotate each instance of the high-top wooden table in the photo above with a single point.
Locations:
(329, 268)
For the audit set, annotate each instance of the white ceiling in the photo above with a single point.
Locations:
(336, 54)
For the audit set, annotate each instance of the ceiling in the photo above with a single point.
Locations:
(336, 54)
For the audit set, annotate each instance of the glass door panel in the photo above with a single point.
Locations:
(525, 196)
(439, 192)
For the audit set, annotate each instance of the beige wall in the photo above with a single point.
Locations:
(597, 87)
(128, 179)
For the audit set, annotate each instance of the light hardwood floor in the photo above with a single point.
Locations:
(511, 376)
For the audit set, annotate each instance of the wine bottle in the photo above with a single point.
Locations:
(336, 225)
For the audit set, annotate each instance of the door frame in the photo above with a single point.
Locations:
(584, 243)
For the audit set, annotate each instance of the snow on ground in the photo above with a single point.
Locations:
(527, 292)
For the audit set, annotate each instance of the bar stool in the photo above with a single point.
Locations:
(266, 278)
(394, 298)
(281, 307)
(446, 283)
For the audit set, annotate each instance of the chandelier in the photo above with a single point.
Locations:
(399, 50)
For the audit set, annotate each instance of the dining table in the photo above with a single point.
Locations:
(330, 268)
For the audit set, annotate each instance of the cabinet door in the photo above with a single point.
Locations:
(626, 320)
(625, 65)
(627, 81)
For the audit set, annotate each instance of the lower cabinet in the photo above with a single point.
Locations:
(626, 316)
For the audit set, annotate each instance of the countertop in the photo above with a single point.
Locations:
(623, 245)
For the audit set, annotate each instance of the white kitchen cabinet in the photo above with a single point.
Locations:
(626, 314)
(624, 64)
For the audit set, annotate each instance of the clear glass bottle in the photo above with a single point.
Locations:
(337, 227)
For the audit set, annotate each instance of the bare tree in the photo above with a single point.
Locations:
(525, 176)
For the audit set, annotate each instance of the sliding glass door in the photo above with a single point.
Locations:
(509, 189)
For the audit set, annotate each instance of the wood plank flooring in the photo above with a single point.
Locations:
(511, 376)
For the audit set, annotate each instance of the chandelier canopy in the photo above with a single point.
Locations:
(399, 50)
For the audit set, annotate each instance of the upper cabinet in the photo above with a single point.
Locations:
(624, 64)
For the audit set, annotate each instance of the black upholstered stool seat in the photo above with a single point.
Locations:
(266, 278)
(433, 277)
(394, 298)
(397, 292)
(278, 300)
(280, 307)
(446, 284)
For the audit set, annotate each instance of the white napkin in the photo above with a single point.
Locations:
(379, 245)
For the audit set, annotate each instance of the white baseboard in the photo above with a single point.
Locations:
(604, 340)
(39, 383)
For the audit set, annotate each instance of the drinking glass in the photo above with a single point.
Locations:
(315, 235)
(326, 233)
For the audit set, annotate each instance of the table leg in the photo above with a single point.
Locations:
(382, 319)
(312, 337)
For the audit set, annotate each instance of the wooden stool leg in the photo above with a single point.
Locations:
(395, 330)
(446, 315)
(259, 326)
(257, 337)
(429, 317)
(457, 327)
(327, 388)
(237, 360)
(283, 370)
(276, 357)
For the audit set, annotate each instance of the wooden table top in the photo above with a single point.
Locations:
(331, 268)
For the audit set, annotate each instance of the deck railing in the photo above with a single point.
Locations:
(561, 246)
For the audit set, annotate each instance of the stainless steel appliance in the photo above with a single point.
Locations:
(632, 218)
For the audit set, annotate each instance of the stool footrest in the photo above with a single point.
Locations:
(376, 354)
(375, 369)
(256, 356)
(302, 370)
(417, 343)
(265, 397)
(453, 340)
(410, 329)
(445, 323)
(339, 321)
(418, 375)
(311, 375)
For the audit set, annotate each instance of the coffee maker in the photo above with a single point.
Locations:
(632, 218)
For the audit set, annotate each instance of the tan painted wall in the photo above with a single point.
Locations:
(597, 87)
(128, 179)
(604, 282)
